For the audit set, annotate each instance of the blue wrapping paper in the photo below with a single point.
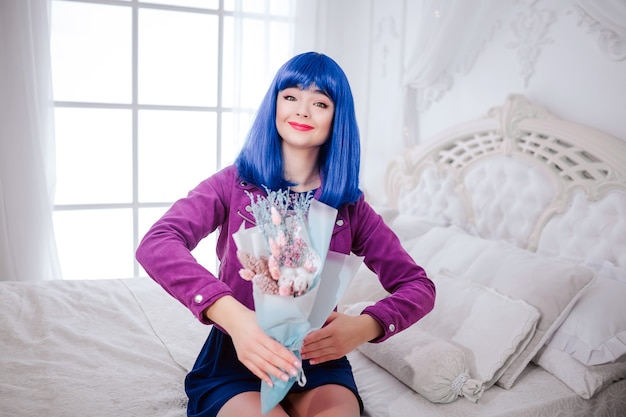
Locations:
(289, 319)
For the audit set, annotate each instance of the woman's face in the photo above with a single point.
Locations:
(304, 117)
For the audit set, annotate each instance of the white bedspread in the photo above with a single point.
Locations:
(536, 394)
(122, 348)
(75, 348)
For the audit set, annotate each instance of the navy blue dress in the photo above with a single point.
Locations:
(217, 376)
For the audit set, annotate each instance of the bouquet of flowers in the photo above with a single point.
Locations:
(287, 259)
(292, 263)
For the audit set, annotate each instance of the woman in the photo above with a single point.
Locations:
(304, 138)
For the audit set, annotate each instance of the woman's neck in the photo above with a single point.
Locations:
(303, 171)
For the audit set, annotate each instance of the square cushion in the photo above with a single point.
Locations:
(594, 332)
(584, 380)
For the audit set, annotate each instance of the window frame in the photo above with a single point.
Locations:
(135, 107)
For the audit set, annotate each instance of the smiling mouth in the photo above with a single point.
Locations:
(300, 127)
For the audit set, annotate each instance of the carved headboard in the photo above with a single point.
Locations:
(522, 175)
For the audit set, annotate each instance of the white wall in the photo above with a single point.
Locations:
(572, 75)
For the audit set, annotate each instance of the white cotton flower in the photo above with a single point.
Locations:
(302, 280)
(287, 276)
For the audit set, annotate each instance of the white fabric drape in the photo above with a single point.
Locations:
(27, 244)
(450, 35)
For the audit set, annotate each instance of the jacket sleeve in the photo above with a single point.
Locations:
(412, 293)
(165, 251)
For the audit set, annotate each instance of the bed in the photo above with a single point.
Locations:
(519, 217)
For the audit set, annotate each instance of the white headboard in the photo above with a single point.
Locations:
(522, 175)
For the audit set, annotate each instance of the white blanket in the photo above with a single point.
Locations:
(75, 348)
(122, 348)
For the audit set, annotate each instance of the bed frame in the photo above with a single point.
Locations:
(436, 180)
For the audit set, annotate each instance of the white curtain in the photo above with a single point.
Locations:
(309, 15)
(450, 34)
(27, 244)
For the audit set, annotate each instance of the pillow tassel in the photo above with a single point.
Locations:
(464, 386)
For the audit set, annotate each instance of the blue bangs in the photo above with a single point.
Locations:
(307, 70)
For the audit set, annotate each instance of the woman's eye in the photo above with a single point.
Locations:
(322, 105)
(289, 98)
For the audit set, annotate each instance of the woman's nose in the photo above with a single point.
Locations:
(302, 112)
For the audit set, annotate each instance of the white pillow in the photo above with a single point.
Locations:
(594, 332)
(550, 285)
(584, 380)
(408, 227)
(365, 286)
(386, 212)
(464, 317)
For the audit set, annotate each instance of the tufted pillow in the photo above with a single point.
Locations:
(549, 285)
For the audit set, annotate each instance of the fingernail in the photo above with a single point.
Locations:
(284, 377)
(313, 362)
(294, 372)
(269, 383)
(297, 364)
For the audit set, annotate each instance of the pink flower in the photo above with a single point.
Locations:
(246, 274)
(285, 290)
(273, 267)
(274, 248)
(265, 284)
(276, 219)
(281, 239)
(309, 266)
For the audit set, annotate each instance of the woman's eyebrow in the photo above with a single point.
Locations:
(322, 92)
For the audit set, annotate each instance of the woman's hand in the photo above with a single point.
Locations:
(340, 335)
(261, 354)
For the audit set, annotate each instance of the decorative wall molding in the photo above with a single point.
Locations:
(434, 92)
(610, 42)
(530, 28)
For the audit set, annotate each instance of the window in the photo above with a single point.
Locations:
(150, 99)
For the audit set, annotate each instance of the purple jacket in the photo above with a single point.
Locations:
(219, 203)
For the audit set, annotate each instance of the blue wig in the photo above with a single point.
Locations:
(260, 160)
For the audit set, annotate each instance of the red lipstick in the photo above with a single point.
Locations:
(299, 126)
